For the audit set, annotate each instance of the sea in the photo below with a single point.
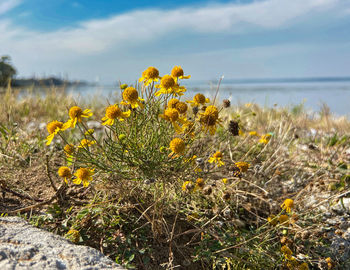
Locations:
(313, 93)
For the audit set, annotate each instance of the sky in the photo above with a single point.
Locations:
(116, 40)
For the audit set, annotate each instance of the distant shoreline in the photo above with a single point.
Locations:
(281, 80)
(51, 81)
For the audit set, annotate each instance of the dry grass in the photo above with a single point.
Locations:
(141, 225)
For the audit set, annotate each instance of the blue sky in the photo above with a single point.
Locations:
(117, 40)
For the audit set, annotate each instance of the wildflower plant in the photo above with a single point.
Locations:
(161, 153)
(146, 135)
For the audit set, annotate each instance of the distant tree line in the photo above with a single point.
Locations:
(7, 71)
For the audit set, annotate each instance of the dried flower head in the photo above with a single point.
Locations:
(226, 196)
(226, 103)
(207, 190)
(233, 127)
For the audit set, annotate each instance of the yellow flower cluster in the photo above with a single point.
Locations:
(75, 113)
(176, 112)
(82, 175)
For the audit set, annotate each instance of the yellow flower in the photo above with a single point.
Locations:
(287, 205)
(73, 235)
(113, 112)
(192, 217)
(177, 146)
(131, 96)
(172, 115)
(243, 166)
(198, 99)
(225, 181)
(84, 143)
(188, 128)
(123, 86)
(53, 128)
(283, 219)
(150, 75)
(172, 103)
(265, 138)
(286, 252)
(200, 183)
(188, 186)
(253, 133)
(65, 173)
(272, 220)
(303, 266)
(217, 158)
(330, 263)
(83, 175)
(209, 119)
(89, 132)
(75, 114)
(181, 107)
(169, 86)
(69, 149)
(178, 73)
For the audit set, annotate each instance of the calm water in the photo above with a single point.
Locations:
(336, 94)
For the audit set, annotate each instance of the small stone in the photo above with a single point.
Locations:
(344, 225)
(338, 232)
(238, 223)
(227, 213)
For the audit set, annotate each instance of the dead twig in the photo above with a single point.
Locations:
(49, 175)
(22, 196)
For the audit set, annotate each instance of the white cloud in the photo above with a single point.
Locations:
(7, 5)
(133, 30)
